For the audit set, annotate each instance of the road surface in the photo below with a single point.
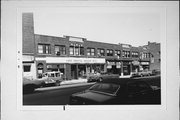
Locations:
(54, 95)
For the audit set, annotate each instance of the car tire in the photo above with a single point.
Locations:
(100, 79)
(57, 83)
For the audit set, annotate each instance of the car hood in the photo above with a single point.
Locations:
(35, 82)
(93, 96)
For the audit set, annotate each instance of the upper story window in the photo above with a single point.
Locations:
(44, 49)
(100, 52)
(76, 50)
(126, 54)
(71, 50)
(145, 55)
(117, 53)
(109, 52)
(90, 51)
(60, 49)
(135, 54)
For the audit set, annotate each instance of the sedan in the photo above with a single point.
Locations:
(100, 76)
(30, 85)
(118, 91)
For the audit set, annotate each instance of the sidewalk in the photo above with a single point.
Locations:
(125, 76)
(74, 81)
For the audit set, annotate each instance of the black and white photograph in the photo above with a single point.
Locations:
(95, 58)
(84, 58)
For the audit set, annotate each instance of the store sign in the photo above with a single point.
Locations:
(144, 63)
(75, 39)
(72, 60)
(110, 63)
(28, 58)
(126, 46)
(135, 62)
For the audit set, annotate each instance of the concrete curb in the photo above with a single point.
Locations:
(63, 86)
(73, 81)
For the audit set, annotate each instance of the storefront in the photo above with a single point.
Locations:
(144, 65)
(126, 68)
(29, 67)
(113, 67)
(135, 66)
(71, 67)
(56, 67)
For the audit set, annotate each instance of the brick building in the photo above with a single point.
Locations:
(154, 49)
(77, 57)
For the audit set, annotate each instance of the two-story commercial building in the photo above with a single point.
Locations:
(77, 57)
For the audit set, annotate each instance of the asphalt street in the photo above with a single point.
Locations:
(54, 95)
(60, 95)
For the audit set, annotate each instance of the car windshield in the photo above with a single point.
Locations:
(107, 88)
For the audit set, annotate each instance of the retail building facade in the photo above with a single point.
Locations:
(78, 57)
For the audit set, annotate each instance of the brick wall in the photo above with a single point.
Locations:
(155, 51)
(28, 33)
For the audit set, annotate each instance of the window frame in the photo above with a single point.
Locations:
(109, 52)
(99, 52)
(61, 49)
(46, 48)
(90, 51)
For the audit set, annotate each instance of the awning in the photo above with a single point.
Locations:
(28, 58)
(135, 62)
(144, 63)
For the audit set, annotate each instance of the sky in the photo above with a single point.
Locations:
(102, 25)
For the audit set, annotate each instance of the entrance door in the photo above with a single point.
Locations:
(74, 71)
(126, 70)
(81, 71)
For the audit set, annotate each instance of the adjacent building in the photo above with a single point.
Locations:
(77, 57)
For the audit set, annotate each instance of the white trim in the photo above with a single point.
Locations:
(71, 60)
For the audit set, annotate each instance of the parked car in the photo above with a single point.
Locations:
(142, 73)
(52, 78)
(156, 72)
(118, 91)
(30, 85)
(100, 76)
(93, 77)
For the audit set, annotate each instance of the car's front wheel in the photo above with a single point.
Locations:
(100, 79)
(58, 83)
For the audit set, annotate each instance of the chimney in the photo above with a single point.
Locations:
(28, 33)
